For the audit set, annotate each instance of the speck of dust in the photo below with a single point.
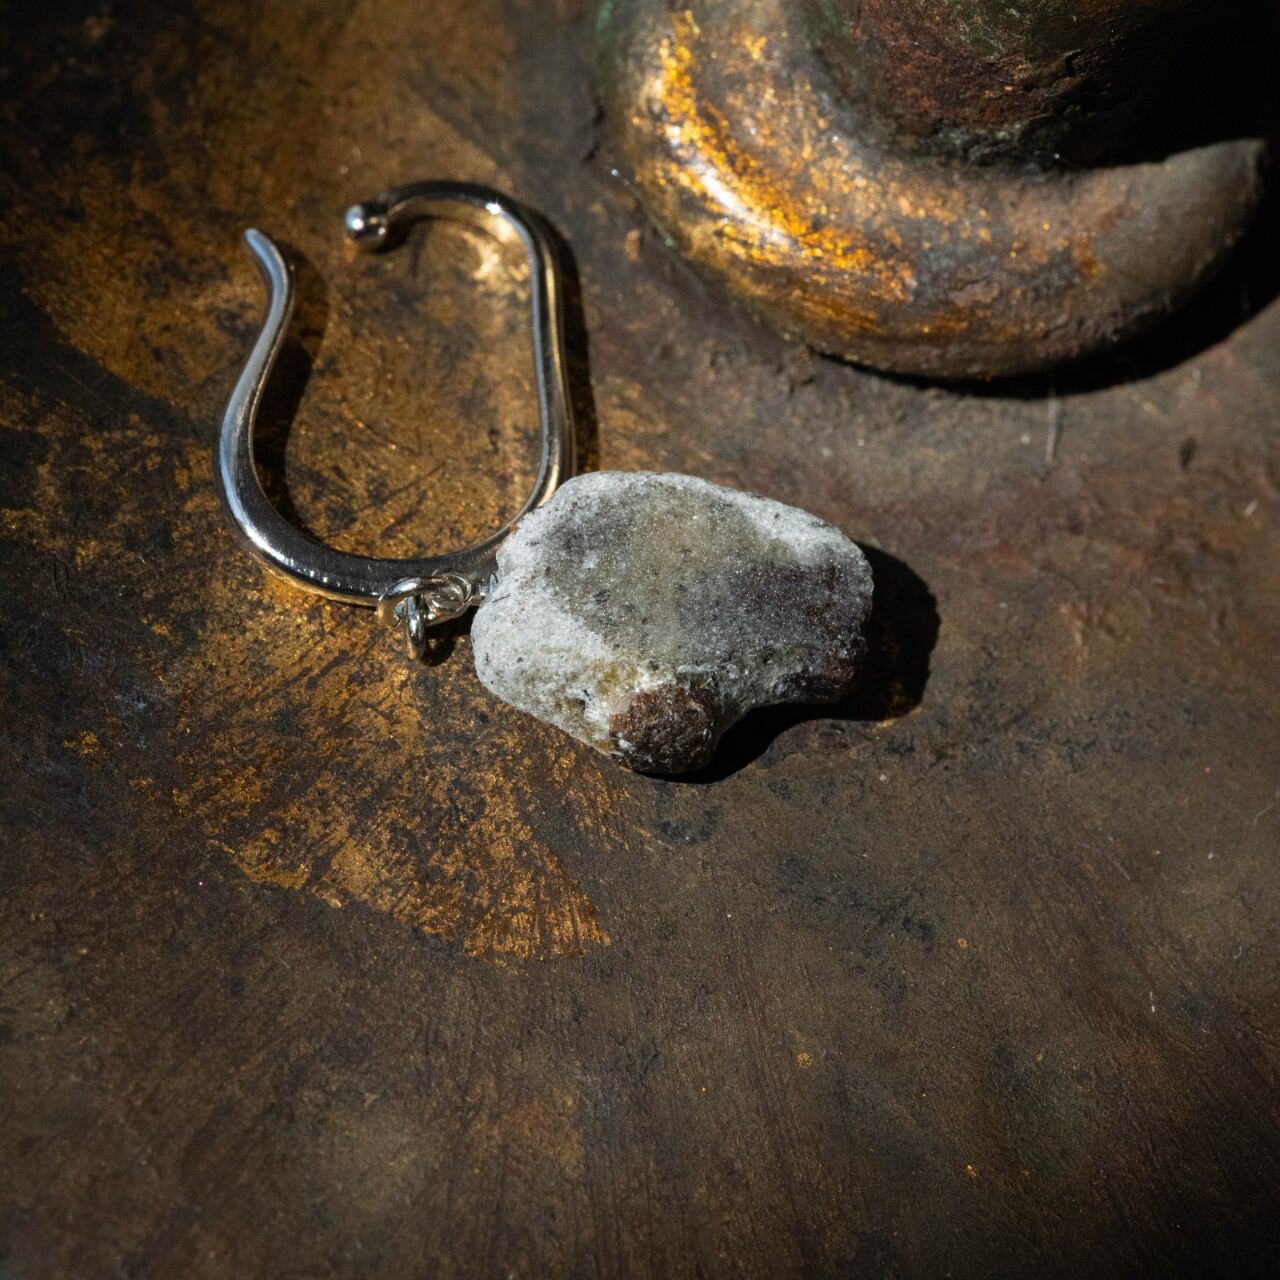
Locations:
(962, 943)
(804, 1060)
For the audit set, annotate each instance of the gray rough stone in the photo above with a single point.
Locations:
(646, 613)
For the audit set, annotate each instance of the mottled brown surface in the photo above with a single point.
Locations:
(313, 963)
(985, 78)
(669, 729)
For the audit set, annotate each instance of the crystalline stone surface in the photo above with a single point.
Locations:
(645, 613)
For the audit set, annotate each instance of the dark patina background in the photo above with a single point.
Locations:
(314, 962)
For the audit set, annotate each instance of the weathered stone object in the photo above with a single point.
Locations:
(644, 614)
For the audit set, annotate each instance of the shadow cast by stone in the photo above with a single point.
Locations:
(901, 634)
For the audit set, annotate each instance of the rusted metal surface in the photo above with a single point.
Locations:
(316, 963)
(950, 190)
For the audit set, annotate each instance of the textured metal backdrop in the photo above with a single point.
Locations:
(313, 962)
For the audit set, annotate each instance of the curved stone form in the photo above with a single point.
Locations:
(962, 189)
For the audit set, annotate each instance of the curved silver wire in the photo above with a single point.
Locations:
(419, 591)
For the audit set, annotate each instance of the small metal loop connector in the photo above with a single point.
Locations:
(419, 603)
(443, 581)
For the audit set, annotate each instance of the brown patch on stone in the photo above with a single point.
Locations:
(668, 729)
(812, 594)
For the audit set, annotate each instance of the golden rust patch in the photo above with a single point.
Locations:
(764, 217)
(305, 747)
(321, 769)
(85, 744)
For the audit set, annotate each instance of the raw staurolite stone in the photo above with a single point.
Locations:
(646, 613)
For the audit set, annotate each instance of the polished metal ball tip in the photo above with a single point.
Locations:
(366, 227)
